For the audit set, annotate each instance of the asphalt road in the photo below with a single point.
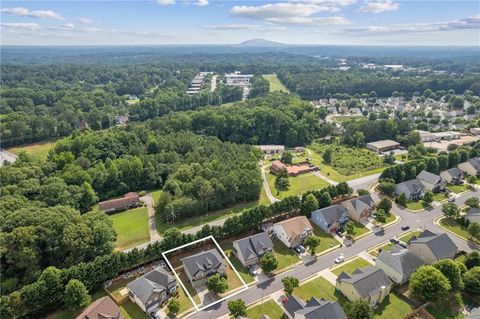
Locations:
(422, 219)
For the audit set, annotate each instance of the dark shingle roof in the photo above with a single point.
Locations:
(321, 309)
(428, 177)
(367, 281)
(412, 185)
(333, 213)
(204, 261)
(155, 281)
(455, 172)
(473, 211)
(401, 260)
(292, 305)
(440, 244)
(250, 246)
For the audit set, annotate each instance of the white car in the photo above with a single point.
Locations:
(339, 259)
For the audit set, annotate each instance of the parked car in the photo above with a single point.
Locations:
(253, 269)
(154, 315)
(394, 240)
(299, 249)
(405, 227)
(451, 199)
(339, 233)
(403, 244)
(339, 259)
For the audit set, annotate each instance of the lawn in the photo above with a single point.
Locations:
(242, 270)
(343, 119)
(132, 311)
(269, 308)
(405, 238)
(390, 218)
(185, 302)
(131, 227)
(285, 256)
(438, 197)
(206, 218)
(38, 150)
(156, 195)
(458, 188)
(449, 308)
(319, 288)
(416, 205)
(298, 185)
(393, 307)
(263, 200)
(359, 229)
(458, 229)
(326, 240)
(275, 84)
(350, 266)
(183, 277)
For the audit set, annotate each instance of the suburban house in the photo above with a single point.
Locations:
(249, 250)
(271, 149)
(128, 201)
(103, 308)
(431, 181)
(293, 231)
(315, 308)
(413, 189)
(151, 290)
(292, 170)
(369, 283)
(473, 215)
(398, 263)
(360, 209)
(452, 175)
(471, 167)
(431, 247)
(330, 218)
(382, 146)
(200, 266)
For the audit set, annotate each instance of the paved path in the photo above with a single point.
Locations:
(325, 178)
(270, 196)
(422, 220)
(152, 225)
(6, 156)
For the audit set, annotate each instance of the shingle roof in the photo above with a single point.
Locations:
(204, 261)
(295, 226)
(333, 213)
(156, 280)
(321, 309)
(250, 246)
(412, 185)
(103, 308)
(359, 204)
(401, 260)
(440, 244)
(475, 162)
(473, 212)
(367, 281)
(292, 305)
(428, 177)
(455, 172)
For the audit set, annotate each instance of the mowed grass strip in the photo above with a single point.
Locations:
(327, 241)
(350, 266)
(286, 257)
(453, 226)
(131, 227)
(275, 84)
(298, 185)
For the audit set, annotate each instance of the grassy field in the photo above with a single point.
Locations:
(275, 84)
(298, 185)
(439, 197)
(132, 311)
(131, 227)
(269, 308)
(350, 266)
(242, 270)
(416, 205)
(326, 240)
(458, 229)
(458, 188)
(38, 150)
(285, 256)
(343, 119)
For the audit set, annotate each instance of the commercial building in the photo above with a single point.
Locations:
(382, 146)
(236, 78)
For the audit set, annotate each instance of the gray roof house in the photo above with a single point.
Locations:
(431, 247)
(360, 208)
(151, 290)
(471, 167)
(330, 218)
(398, 263)
(413, 189)
(452, 175)
(314, 309)
(473, 215)
(248, 250)
(369, 283)
(200, 266)
(432, 181)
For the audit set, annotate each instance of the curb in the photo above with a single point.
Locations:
(436, 221)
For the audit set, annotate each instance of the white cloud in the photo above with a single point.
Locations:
(460, 24)
(378, 6)
(21, 26)
(201, 3)
(84, 20)
(247, 27)
(92, 30)
(290, 13)
(63, 27)
(165, 2)
(24, 12)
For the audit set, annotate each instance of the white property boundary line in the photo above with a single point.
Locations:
(245, 286)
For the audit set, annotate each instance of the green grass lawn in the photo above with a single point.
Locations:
(242, 270)
(326, 240)
(206, 218)
(275, 84)
(438, 197)
(405, 238)
(458, 229)
(263, 200)
(449, 308)
(155, 195)
(269, 308)
(319, 288)
(390, 218)
(132, 311)
(185, 302)
(416, 205)
(131, 227)
(285, 256)
(298, 185)
(352, 265)
(343, 119)
(38, 150)
(359, 228)
(393, 307)
(458, 188)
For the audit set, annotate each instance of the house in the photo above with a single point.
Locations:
(128, 201)
(271, 149)
(431, 247)
(249, 250)
(200, 266)
(151, 290)
(103, 308)
(277, 167)
(292, 170)
(360, 209)
(369, 283)
(452, 175)
(432, 181)
(413, 189)
(293, 231)
(330, 218)
(473, 215)
(382, 146)
(471, 167)
(315, 308)
(398, 263)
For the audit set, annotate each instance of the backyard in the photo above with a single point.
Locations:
(350, 266)
(298, 185)
(450, 307)
(131, 227)
(275, 84)
(286, 257)
(38, 150)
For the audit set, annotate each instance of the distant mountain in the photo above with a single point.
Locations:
(260, 43)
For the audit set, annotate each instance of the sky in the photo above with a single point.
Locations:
(343, 22)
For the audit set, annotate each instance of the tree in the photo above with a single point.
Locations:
(385, 204)
(362, 192)
(429, 284)
(386, 188)
(287, 158)
(328, 155)
(289, 284)
(472, 280)
(312, 242)
(472, 259)
(217, 284)
(360, 309)
(428, 197)
(325, 200)
(450, 210)
(309, 204)
(173, 306)
(237, 308)
(281, 181)
(380, 215)
(76, 295)
(268, 262)
(474, 230)
(350, 229)
(473, 202)
(452, 271)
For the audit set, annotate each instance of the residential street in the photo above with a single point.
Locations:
(422, 219)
